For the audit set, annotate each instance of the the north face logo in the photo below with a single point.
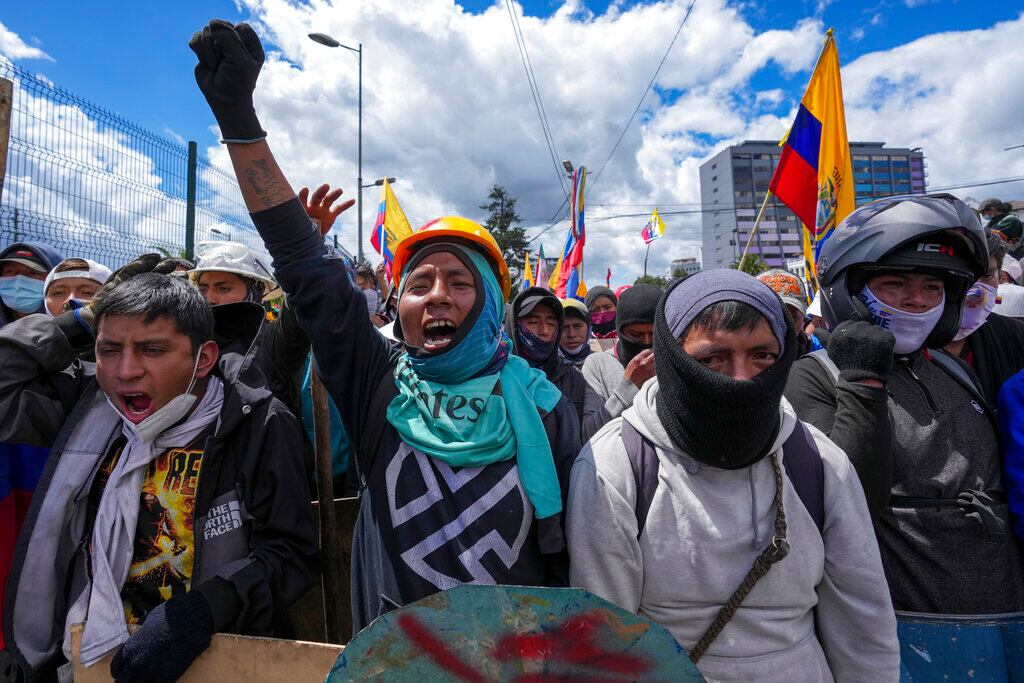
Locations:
(222, 519)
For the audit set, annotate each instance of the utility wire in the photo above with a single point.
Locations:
(632, 116)
(531, 78)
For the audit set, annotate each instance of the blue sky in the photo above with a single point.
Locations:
(132, 57)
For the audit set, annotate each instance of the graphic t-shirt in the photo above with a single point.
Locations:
(164, 541)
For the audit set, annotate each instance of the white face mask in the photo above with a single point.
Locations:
(910, 329)
(172, 413)
(979, 302)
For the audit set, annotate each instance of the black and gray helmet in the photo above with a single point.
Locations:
(936, 234)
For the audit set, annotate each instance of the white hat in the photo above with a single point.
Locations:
(1010, 301)
(815, 308)
(1013, 267)
(231, 257)
(97, 272)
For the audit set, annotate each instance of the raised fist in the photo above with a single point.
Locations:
(230, 58)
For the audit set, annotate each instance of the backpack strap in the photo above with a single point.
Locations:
(960, 374)
(821, 355)
(643, 460)
(806, 471)
(369, 441)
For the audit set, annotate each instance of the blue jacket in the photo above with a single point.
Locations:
(1011, 435)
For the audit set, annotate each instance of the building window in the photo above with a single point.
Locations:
(899, 157)
(861, 157)
(714, 191)
(863, 187)
(740, 156)
(714, 178)
(714, 166)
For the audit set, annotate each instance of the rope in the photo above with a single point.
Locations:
(775, 551)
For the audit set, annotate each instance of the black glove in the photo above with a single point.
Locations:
(173, 635)
(230, 59)
(861, 351)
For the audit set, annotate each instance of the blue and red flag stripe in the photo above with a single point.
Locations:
(795, 181)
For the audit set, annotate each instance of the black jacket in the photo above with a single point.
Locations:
(249, 572)
(924, 450)
(474, 523)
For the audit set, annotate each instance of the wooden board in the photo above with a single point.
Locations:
(234, 658)
(6, 106)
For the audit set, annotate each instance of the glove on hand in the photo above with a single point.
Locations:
(173, 635)
(230, 59)
(861, 351)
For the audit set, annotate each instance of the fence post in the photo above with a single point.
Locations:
(6, 103)
(190, 201)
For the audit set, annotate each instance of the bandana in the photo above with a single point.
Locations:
(910, 329)
(473, 404)
(978, 303)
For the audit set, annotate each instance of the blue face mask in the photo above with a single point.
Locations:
(21, 293)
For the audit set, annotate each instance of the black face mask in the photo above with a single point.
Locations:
(627, 349)
(702, 410)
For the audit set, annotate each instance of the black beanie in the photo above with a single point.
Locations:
(595, 292)
(637, 305)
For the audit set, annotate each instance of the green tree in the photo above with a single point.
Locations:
(503, 223)
(656, 280)
(753, 264)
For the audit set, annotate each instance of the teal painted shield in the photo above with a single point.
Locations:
(938, 647)
(513, 633)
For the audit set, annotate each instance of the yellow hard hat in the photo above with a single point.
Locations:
(458, 227)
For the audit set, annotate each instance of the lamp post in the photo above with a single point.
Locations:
(225, 235)
(325, 39)
(380, 181)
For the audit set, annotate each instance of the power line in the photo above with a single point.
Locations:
(642, 97)
(531, 78)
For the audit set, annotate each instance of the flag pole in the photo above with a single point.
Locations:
(750, 237)
(646, 254)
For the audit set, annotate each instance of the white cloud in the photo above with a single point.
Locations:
(447, 108)
(937, 93)
(12, 46)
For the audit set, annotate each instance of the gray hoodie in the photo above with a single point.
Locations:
(823, 613)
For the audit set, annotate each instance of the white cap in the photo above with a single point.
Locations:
(231, 257)
(815, 308)
(1010, 301)
(97, 272)
(1013, 267)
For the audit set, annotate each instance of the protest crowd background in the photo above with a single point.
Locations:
(215, 420)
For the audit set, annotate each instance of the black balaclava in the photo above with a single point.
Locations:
(720, 421)
(636, 305)
(538, 353)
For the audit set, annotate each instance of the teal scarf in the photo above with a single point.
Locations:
(486, 418)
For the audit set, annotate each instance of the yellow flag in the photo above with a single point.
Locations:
(527, 272)
(391, 224)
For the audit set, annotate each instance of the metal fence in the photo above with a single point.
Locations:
(92, 184)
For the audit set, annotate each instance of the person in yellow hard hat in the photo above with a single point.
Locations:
(463, 450)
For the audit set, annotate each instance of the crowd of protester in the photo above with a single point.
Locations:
(766, 474)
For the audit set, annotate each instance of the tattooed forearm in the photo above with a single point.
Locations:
(269, 186)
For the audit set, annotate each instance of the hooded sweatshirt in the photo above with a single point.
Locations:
(605, 371)
(706, 475)
(822, 613)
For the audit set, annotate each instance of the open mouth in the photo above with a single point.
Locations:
(438, 334)
(137, 406)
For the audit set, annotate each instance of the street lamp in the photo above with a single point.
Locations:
(225, 235)
(324, 39)
(567, 165)
(378, 182)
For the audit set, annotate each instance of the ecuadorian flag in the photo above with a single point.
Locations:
(570, 264)
(814, 177)
(391, 226)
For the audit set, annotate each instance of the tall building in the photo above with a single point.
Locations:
(682, 267)
(733, 184)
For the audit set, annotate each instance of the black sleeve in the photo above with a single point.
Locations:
(40, 378)
(284, 559)
(563, 430)
(855, 417)
(353, 358)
